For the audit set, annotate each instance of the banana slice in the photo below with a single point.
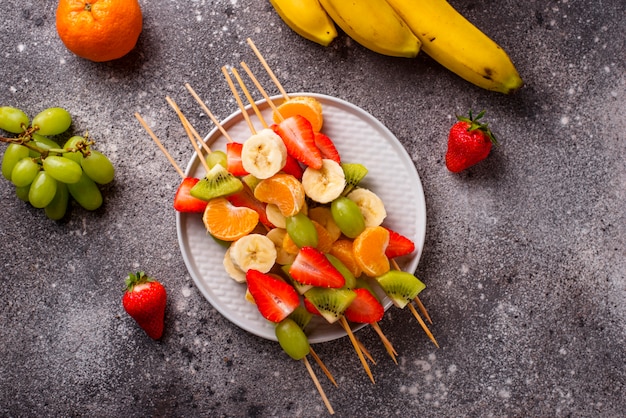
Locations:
(233, 271)
(371, 206)
(264, 154)
(275, 216)
(277, 235)
(254, 251)
(324, 184)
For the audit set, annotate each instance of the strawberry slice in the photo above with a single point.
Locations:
(398, 245)
(299, 138)
(274, 298)
(185, 202)
(311, 267)
(310, 307)
(233, 159)
(327, 147)
(245, 198)
(365, 308)
(293, 167)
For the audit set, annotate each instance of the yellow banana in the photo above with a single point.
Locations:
(307, 19)
(450, 39)
(375, 25)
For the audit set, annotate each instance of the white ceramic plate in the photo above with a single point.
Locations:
(359, 137)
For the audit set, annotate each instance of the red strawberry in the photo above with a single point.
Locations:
(185, 202)
(246, 198)
(144, 300)
(469, 142)
(293, 167)
(399, 245)
(233, 159)
(274, 298)
(327, 147)
(299, 138)
(311, 267)
(365, 308)
(310, 307)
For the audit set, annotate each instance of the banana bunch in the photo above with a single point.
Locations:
(401, 28)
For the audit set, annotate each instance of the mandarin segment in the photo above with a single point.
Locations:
(307, 107)
(282, 190)
(227, 222)
(369, 251)
(342, 249)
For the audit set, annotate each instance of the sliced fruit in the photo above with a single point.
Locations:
(299, 138)
(325, 184)
(264, 154)
(245, 198)
(301, 316)
(277, 235)
(253, 251)
(274, 298)
(293, 167)
(322, 215)
(370, 204)
(354, 173)
(184, 201)
(399, 245)
(282, 190)
(300, 288)
(327, 147)
(228, 222)
(233, 159)
(345, 272)
(330, 303)
(308, 107)
(275, 216)
(400, 286)
(369, 251)
(216, 183)
(365, 308)
(232, 270)
(324, 240)
(313, 268)
(301, 230)
(342, 249)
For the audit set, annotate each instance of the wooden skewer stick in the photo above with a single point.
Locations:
(160, 145)
(417, 300)
(365, 351)
(268, 69)
(317, 385)
(193, 131)
(246, 92)
(209, 114)
(357, 347)
(189, 134)
(323, 366)
(388, 346)
(238, 99)
(421, 321)
(261, 89)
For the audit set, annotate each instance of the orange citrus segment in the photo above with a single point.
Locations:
(369, 250)
(282, 190)
(227, 222)
(342, 249)
(324, 217)
(324, 241)
(307, 107)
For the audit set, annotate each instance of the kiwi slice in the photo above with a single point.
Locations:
(401, 287)
(301, 316)
(331, 303)
(347, 274)
(217, 182)
(300, 288)
(354, 173)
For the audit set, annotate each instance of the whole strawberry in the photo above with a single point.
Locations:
(469, 142)
(144, 300)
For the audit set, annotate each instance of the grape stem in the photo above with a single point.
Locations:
(26, 139)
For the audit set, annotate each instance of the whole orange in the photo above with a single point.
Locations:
(99, 30)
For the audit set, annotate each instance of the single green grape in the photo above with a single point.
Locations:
(58, 206)
(13, 119)
(347, 216)
(71, 144)
(42, 190)
(301, 230)
(217, 157)
(22, 192)
(52, 121)
(44, 143)
(292, 339)
(24, 172)
(345, 272)
(11, 156)
(86, 192)
(98, 167)
(62, 169)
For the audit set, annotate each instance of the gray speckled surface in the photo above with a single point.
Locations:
(524, 253)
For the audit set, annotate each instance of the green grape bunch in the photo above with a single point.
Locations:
(45, 174)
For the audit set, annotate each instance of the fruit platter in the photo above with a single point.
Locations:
(360, 138)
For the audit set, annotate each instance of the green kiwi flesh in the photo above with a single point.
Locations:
(401, 287)
(217, 182)
(354, 173)
(331, 303)
(301, 316)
